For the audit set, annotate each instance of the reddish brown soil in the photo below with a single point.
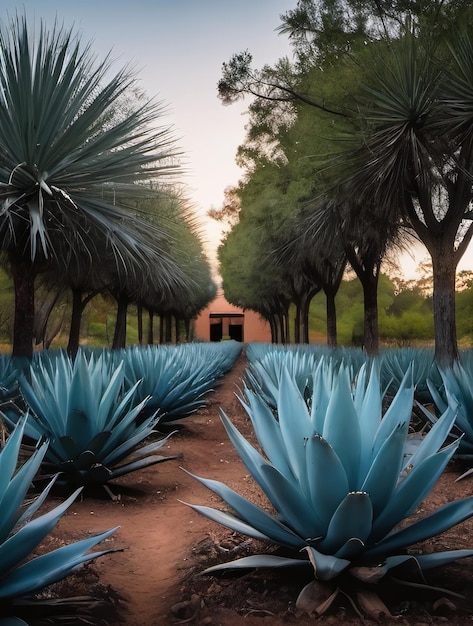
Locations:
(155, 580)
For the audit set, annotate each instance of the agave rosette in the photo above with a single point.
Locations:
(263, 373)
(81, 407)
(338, 477)
(177, 379)
(395, 362)
(21, 531)
(266, 360)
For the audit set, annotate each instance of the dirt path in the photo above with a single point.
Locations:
(156, 530)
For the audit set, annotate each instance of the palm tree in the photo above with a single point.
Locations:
(416, 158)
(175, 214)
(71, 163)
(338, 230)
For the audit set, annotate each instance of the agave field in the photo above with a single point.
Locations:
(83, 424)
(301, 483)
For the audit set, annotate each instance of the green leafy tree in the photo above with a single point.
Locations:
(324, 30)
(251, 280)
(279, 157)
(268, 200)
(301, 137)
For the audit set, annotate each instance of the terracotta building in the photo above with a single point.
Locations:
(223, 320)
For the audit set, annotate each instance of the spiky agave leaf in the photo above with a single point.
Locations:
(457, 395)
(9, 373)
(337, 475)
(21, 532)
(265, 362)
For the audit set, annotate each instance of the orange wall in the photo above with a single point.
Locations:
(254, 328)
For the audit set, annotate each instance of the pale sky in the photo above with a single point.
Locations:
(177, 48)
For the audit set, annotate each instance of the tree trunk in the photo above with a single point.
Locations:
(285, 327)
(168, 328)
(177, 326)
(139, 317)
(23, 325)
(76, 317)
(47, 302)
(54, 331)
(301, 319)
(161, 328)
(298, 321)
(304, 315)
(278, 328)
(331, 318)
(370, 329)
(273, 328)
(367, 268)
(304, 319)
(281, 329)
(150, 327)
(445, 331)
(119, 337)
(187, 327)
(78, 307)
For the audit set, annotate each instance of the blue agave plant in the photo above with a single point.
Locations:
(176, 379)
(338, 477)
(263, 373)
(21, 532)
(91, 423)
(395, 362)
(457, 394)
(266, 360)
(9, 374)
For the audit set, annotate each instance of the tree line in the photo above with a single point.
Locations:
(358, 145)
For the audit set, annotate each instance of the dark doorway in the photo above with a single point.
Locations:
(226, 326)
(235, 332)
(216, 331)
